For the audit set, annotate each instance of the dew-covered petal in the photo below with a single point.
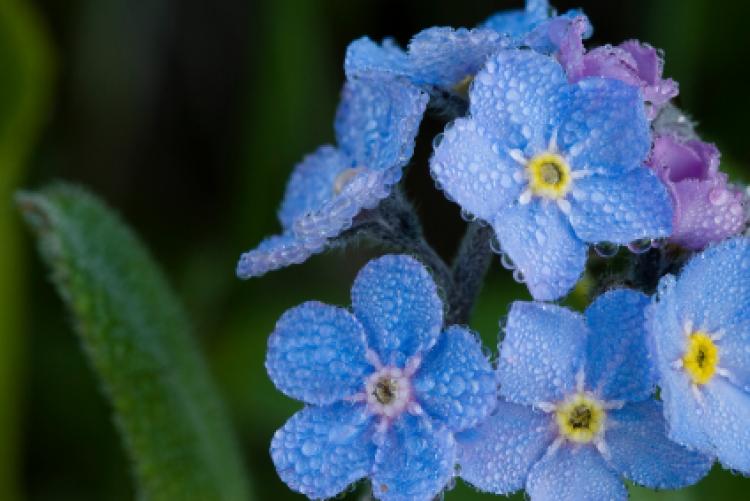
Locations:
(727, 423)
(603, 127)
(618, 361)
(321, 450)
(641, 452)
(515, 97)
(455, 384)
(560, 35)
(714, 287)
(364, 56)
(378, 119)
(497, 455)
(317, 354)
(472, 171)
(272, 253)
(517, 23)
(539, 240)
(415, 460)
(397, 302)
(360, 188)
(572, 475)
(734, 355)
(444, 56)
(312, 183)
(667, 340)
(543, 351)
(621, 209)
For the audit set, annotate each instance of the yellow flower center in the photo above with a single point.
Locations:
(701, 357)
(581, 418)
(344, 178)
(549, 175)
(386, 390)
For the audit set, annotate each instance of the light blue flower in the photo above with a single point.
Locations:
(376, 125)
(386, 387)
(578, 411)
(699, 324)
(447, 58)
(552, 167)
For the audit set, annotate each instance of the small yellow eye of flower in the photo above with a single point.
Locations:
(344, 178)
(581, 418)
(701, 357)
(549, 175)
(385, 390)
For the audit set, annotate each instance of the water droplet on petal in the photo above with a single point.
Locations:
(606, 249)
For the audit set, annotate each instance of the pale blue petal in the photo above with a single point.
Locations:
(603, 127)
(497, 455)
(378, 119)
(311, 184)
(472, 173)
(574, 475)
(273, 253)
(317, 354)
(734, 354)
(618, 361)
(455, 384)
(397, 302)
(364, 56)
(641, 452)
(727, 423)
(686, 420)
(543, 351)
(709, 279)
(321, 450)
(621, 209)
(445, 56)
(416, 460)
(363, 190)
(515, 97)
(540, 241)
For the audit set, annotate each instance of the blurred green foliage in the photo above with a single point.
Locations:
(139, 342)
(25, 81)
(188, 117)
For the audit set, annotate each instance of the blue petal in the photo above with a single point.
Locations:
(445, 56)
(727, 423)
(470, 172)
(519, 22)
(321, 450)
(708, 280)
(641, 452)
(734, 354)
(543, 351)
(416, 460)
(396, 300)
(603, 127)
(273, 253)
(378, 119)
(497, 455)
(317, 354)
(455, 384)
(621, 209)
(618, 362)
(572, 475)
(686, 421)
(515, 97)
(549, 36)
(364, 189)
(540, 241)
(364, 56)
(311, 185)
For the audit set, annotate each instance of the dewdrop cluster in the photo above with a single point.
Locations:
(561, 157)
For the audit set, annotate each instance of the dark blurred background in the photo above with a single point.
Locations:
(187, 116)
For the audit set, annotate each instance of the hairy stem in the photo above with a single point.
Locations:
(469, 270)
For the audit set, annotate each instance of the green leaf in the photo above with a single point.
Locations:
(139, 342)
(25, 83)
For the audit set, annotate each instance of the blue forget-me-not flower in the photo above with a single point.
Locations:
(448, 59)
(699, 324)
(386, 387)
(578, 411)
(376, 125)
(552, 166)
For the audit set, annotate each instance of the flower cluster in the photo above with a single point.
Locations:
(550, 149)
